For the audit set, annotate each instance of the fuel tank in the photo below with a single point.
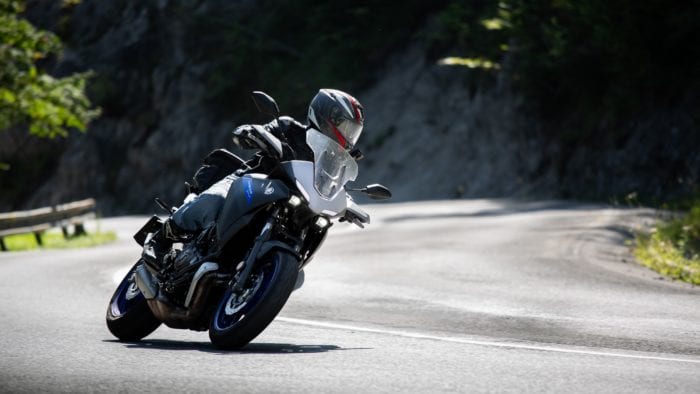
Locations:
(246, 195)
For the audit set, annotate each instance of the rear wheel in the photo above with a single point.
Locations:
(128, 316)
(239, 318)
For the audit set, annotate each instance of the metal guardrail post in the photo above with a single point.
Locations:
(79, 229)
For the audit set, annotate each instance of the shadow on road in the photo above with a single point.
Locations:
(507, 208)
(259, 348)
(514, 207)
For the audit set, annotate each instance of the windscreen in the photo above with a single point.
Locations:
(333, 165)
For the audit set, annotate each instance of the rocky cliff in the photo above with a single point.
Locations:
(432, 134)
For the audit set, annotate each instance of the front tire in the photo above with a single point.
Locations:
(128, 316)
(239, 318)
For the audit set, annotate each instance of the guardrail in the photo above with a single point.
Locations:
(41, 219)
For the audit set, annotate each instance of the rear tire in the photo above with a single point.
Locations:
(238, 319)
(128, 316)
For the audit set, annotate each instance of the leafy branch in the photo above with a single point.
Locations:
(30, 97)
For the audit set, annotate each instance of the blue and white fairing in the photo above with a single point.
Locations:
(321, 183)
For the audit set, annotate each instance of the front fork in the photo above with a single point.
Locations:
(239, 280)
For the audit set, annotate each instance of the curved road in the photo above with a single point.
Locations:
(432, 297)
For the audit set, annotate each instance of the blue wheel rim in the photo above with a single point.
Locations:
(125, 297)
(224, 321)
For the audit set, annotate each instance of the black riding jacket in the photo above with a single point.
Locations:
(292, 134)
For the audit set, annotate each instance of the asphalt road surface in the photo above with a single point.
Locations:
(459, 296)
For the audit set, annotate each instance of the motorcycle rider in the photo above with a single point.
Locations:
(334, 113)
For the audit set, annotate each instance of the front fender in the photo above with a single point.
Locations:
(271, 245)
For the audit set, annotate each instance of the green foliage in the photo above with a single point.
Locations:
(588, 62)
(49, 106)
(474, 29)
(605, 57)
(673, 247)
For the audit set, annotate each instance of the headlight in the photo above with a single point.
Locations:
(322, 222)
(294, 201)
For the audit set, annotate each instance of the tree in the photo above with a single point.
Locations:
(30, 97)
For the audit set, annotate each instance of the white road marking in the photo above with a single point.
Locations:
(509, 345)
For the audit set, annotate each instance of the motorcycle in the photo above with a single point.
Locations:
(233, 277)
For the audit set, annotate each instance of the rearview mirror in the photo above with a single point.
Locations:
(265, 104)
(377, 192)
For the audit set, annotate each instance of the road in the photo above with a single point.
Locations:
(458, 296)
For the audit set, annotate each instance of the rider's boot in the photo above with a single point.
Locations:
(175, 233)
(162, 241)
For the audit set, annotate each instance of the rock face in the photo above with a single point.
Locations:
(659, 159)
(428, 136)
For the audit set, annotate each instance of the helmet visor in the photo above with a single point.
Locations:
(351, 132)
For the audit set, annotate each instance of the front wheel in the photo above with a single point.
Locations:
(128, 316)
(239, 318)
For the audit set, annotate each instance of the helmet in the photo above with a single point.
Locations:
(337, 115)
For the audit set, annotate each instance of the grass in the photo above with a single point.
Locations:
(673, 247)
(53, 240)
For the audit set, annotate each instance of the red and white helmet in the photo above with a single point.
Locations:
(337, 115)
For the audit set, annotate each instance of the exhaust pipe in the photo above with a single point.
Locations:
(203, 270)
(145, 282)
(178, 317)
